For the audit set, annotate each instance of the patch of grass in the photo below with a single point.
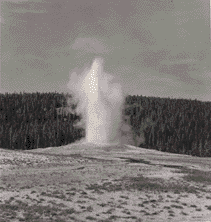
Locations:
(6, 207)
(11, 198)
(176, 206)
(90, 218)
(198, 209)
(183, 213)
(153, 201)
(209, 207)
(197, 176)
(102, 204)
(89, 208)
(125, 197)
(155, 213)
(141, 183)
(193, 206)
(173, 166)
(72, 193)
(171, 215)
(132, 160)
(35, 212)
(69, 211)
(27, 197)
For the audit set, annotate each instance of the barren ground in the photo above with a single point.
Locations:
(81, 182)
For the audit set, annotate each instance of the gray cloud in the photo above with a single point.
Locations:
(137, 39)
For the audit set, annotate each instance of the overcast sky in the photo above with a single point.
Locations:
(154, 47)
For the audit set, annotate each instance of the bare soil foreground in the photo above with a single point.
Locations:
(82, 182)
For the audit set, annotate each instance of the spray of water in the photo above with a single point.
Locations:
(100, 101)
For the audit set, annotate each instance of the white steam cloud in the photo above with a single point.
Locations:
(100, 102)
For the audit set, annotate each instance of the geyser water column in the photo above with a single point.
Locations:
(104, 106)
(100, 100)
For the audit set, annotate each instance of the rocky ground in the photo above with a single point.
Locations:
(88, 183)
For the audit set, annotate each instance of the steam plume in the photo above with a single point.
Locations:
(100, 102)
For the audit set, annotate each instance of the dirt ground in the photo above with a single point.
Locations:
(84, 182)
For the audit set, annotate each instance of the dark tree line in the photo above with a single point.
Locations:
(34, 120)
(174, 125)
(30, 121)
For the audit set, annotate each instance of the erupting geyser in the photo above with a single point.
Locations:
(101, 102)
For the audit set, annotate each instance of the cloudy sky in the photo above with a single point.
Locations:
(154, 48)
